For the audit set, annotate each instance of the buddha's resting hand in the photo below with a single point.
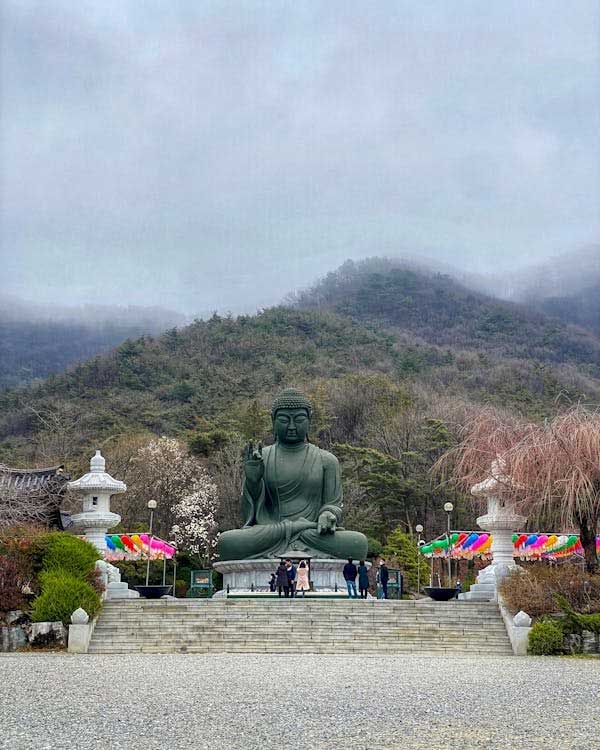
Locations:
(254, 466)
(326, 522)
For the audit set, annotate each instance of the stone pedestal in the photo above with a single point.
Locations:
(244, 576)
(114, 587)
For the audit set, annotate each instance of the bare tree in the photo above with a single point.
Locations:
(552, 469)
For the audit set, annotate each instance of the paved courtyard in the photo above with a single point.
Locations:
(231, 702)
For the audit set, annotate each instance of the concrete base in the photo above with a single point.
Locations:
(120, 590)
(79, 637)
(486, 588)
(254, 575)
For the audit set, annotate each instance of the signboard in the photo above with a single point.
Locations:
(201, 579)
(395, 582)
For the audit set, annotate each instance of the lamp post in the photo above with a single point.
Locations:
(419, 530)
(448, 508)
(151, 507)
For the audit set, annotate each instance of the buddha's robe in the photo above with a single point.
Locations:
(300, 482)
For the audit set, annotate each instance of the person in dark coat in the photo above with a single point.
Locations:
(384, 577)
(363, 579)
(291, 571)
(273, 583)
(283, 582)
(350, 573)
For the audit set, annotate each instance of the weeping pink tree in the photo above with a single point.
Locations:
(552, 469)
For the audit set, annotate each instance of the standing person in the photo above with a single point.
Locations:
(363, 579)
(283, 582)
(350, 573)
(303, 584)
(291, 572)
(384, 577)
(273, 582)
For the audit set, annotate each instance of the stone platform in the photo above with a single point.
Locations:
(254, 575)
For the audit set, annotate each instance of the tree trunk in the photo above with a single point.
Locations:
(587, 531)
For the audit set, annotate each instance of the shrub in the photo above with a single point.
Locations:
(70, 554)
(402, 548)
(375, 547)
(26, 546)
(534, 589)
(575, 622)
(545, 639)
(181, 588)
(11, 584)
(63, 593)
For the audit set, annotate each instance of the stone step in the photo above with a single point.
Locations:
(260, 649)
(300, 616)
(329, 627)
(256, 604)
(243, 637)
(300, 626)
(301, 622)
(308, 645)
(253, 627)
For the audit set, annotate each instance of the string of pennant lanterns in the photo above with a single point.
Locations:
(465, 545)
(137, 547)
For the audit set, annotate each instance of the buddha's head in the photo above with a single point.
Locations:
(291, 413)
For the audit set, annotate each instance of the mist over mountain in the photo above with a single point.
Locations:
(442, 311)
(380, 318)
(151, 318)
(39, 340)
(566, 287)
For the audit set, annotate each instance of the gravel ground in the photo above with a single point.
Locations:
(238, 702)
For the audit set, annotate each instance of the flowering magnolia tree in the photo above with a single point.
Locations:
(196, 528)
(162, 470)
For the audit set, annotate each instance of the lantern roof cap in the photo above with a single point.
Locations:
(97, 479)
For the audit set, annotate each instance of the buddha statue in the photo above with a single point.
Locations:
(292, 495)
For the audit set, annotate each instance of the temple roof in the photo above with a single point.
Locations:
(41, 489)
(32, 480)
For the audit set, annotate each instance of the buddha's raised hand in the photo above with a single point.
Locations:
(326, 523)
(254, 466)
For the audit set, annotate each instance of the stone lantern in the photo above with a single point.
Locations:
(96, 487)
(500, 520)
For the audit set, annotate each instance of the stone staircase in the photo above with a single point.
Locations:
(310, 626)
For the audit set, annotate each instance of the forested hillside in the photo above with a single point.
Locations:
(439, 310)
(36, 341)
(581, 309)
(392, 379)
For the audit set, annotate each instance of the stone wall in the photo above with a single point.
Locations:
(19, 632)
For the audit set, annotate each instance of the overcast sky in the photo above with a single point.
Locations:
(215, 155)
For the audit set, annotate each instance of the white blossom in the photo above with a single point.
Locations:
(196, 530)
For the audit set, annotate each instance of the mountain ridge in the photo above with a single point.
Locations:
(212, 371)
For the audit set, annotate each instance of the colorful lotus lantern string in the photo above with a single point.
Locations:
(137, 547)
(464, 545)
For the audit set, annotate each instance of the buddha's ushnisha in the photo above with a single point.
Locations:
(292, 496)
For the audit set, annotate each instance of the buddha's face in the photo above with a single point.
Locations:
(291, 426)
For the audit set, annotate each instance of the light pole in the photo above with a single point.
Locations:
(448, 507)
(419, 530)
(151, 507)
(174, 544)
